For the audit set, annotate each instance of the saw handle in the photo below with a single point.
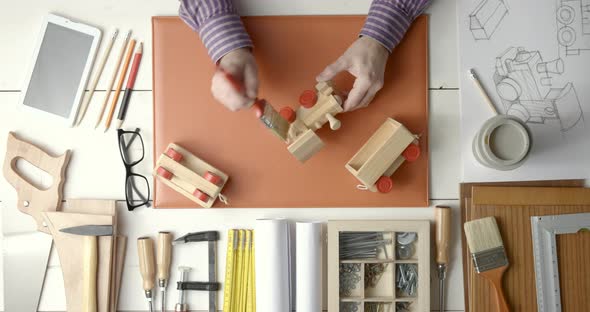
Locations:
(32, 200)
(147, 268)
(164, 254)
(442, 217)
(90, 261)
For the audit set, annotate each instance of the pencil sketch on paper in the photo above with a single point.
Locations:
(524, 82)
(573, 26)
(486, 18)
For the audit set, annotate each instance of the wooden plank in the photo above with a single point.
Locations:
(530, 196)
(465, 209)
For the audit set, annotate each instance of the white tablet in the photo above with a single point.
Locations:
(62, 61)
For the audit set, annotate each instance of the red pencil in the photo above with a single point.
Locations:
(130, 84)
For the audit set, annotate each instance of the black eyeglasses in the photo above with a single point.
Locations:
(137, 188)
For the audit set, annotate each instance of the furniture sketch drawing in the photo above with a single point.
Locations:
(486, 18)
(524, 82)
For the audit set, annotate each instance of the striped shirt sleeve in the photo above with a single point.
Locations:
(388, 20)
(218, 25)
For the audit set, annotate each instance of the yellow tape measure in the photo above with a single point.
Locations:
(239, 293)
(229, 270)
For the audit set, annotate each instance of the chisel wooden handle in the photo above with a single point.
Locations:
(147, 268)
(90, 259)
(442, 218)
(164, 252)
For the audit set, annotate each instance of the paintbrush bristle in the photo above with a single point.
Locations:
(483, 234)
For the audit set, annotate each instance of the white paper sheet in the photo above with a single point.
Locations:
(273, 265)
(546, 82)
(308, 267)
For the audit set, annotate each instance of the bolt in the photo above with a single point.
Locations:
(181, 306)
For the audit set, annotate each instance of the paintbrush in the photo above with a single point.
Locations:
(272, 119)
(488, 254)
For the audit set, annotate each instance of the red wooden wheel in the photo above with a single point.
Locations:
(164, 173)
(412, 152)
(176, 156)
(212, 177)
(308, 98)
(201, 195)
(288, 113)
(384, 184)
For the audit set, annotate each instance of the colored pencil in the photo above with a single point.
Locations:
(116, 69)
(130, 84)
(122, 75)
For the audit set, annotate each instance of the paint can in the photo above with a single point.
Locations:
(502, 143)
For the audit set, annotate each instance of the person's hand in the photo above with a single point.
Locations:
(365, 59)
(241, 65)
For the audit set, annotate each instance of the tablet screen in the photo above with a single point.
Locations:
(58, 70)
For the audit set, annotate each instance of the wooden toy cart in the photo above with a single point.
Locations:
(368, 291)
(382, 155)
(190, 176)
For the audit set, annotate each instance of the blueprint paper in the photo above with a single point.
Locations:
(533, 58)
(272, 241)
(308, 264)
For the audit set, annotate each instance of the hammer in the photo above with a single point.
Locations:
(90, 258)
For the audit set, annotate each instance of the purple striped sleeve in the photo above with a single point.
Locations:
(388, 20)
(218, 25)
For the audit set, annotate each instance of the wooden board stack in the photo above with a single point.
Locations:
(90, 283)
(513, 207)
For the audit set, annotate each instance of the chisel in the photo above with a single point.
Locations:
(442, 217)
(145, 249)
(164, 251)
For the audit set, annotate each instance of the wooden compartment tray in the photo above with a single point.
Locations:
(378, 289)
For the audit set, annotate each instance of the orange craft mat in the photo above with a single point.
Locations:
(290, 51)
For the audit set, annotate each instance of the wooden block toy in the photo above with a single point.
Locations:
(297, 128)
(306, 145)
(190, 176)
(319, 107)
(382, 155)
(378, 265)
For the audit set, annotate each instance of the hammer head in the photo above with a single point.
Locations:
(90, 230)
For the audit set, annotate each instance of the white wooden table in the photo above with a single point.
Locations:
(96, 171)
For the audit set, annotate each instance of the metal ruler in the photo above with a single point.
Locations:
(544, 230)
